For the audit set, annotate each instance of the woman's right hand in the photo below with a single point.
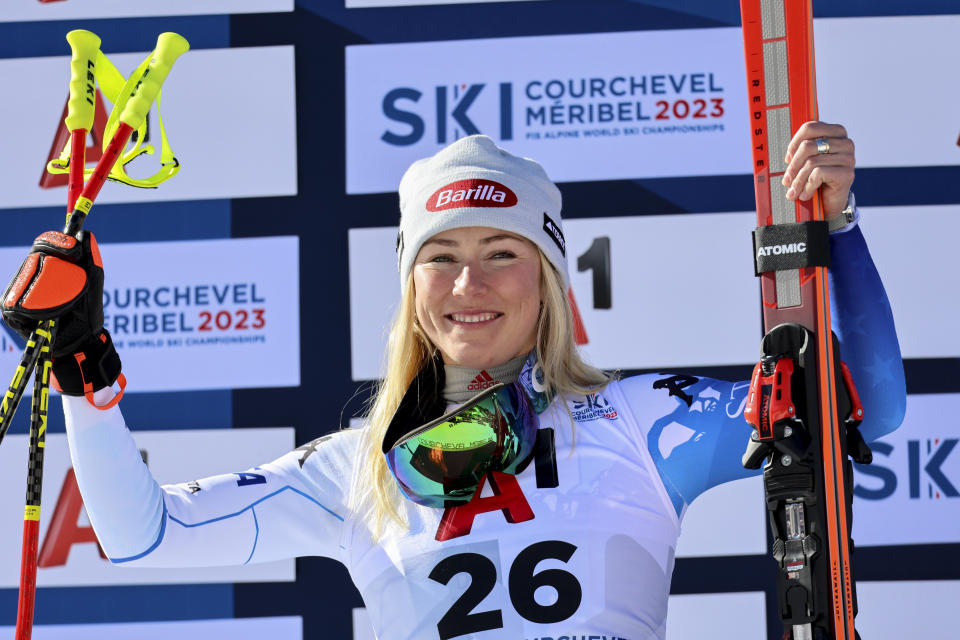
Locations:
(62, 279)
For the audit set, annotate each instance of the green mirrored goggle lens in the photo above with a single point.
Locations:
(441, 463)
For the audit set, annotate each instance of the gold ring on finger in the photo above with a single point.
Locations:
(823, 146)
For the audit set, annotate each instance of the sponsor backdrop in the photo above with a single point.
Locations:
(246, 150)
(688, 616)
(229, 324)
(359, 4)
(253, 291)
(285, 628)
(670, 100)
(88, 9)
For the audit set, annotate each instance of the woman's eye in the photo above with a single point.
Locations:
(441, 258)
(504, 254)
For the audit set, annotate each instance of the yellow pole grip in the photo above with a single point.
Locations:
(85, 46)
(170, 46)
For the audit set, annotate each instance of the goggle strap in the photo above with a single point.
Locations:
(422, 403)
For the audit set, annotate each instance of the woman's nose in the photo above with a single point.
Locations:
(470, 281)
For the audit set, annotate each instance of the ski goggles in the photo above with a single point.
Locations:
(441, 463)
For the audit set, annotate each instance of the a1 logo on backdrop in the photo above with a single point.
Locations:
(65, 529)
(68, 551)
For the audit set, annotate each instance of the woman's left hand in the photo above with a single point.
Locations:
(829, 167)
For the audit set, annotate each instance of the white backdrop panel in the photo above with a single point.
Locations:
(855, 71)
(915, 609)
(16, 11)
(589, 107)
(887, 610)
(880, 76)
(724, 616)
(231, 142)
(173, 456)
(279, 628)
(683, 293)
(913, 482)
(913, 249)
(728, 520)
(198, 314)
(718, 616)
(666, 291)
(361, 4)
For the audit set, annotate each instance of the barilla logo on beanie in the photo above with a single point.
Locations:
(471, 193)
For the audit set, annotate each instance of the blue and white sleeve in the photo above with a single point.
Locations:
(863, 322)
(277, 510)
(694, 430)
(704, 429)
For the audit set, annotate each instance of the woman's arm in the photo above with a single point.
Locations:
(698, 437)
(283, 509)
(693, 428)
(863, 322)
(820, 157)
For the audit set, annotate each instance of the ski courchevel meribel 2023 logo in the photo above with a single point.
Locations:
(584, 107)
(579, 104)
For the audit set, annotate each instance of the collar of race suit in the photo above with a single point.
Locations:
(462, 383)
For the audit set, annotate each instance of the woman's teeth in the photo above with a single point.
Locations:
(472, 317)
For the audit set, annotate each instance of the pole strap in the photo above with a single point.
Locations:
(118, 90)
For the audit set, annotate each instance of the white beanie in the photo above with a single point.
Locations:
(474, 183)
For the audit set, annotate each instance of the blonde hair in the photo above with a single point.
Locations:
(409, 349)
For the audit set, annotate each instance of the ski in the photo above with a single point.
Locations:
(802, 403)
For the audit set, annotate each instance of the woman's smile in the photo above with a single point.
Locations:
(474, 318)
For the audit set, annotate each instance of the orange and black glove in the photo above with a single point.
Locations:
(62, 279)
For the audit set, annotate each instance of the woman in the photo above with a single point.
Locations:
(447, 531)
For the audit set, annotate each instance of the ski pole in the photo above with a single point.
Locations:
(85, 47)
(143, 90)
(170, 46)
(26, 596)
